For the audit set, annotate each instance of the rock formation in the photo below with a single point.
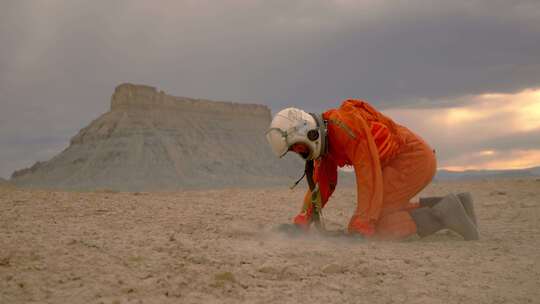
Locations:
(152, 141)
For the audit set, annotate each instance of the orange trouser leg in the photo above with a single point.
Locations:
(404, 177)
(395, 226)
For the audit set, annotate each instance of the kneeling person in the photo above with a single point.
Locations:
(391, 165)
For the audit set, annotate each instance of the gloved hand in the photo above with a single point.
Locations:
(304, 219)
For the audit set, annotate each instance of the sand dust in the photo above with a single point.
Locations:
(219, 247)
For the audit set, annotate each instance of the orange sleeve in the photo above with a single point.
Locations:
(365, 159)
(325, 174)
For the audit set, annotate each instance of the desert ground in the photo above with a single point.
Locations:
(220, 246)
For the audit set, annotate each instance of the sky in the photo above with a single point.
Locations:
(465, 75)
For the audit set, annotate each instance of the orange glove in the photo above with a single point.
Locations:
(304, 219)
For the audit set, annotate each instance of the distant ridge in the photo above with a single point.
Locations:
(347, 178)
(479, 174)
(153, 141)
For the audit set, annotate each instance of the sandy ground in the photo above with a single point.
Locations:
(219, 247)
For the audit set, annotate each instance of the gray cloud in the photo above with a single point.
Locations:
(60, 60)
(507, 143)
(524, 140)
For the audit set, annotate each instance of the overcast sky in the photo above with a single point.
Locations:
(464, 74)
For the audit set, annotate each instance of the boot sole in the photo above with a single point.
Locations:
(454, 217)
(467, 201)
(465, 198)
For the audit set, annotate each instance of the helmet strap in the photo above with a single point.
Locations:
(298, 181)
(322, 132)
(308, 171)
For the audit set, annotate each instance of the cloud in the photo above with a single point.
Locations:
(305, 52)
(496, 160)
(60, 60)
(482, 131)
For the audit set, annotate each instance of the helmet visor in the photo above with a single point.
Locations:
(277, 139)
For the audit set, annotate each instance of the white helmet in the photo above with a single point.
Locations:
(291, 126)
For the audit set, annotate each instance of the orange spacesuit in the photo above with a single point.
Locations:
(391, 164)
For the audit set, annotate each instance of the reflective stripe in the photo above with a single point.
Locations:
(376, 135)
(385, 147)
(386, 144)
(385, 139)
(343, 126)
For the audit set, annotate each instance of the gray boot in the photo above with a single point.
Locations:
(465, 198)
(447, 213)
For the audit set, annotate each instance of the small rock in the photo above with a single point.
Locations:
(412, 262)
(527, 205)
(333, 269)
(223, 280)
(225, 276)
(268, 269)
(197, 259)
(5, 261)
(288, 273)
(366, 272)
